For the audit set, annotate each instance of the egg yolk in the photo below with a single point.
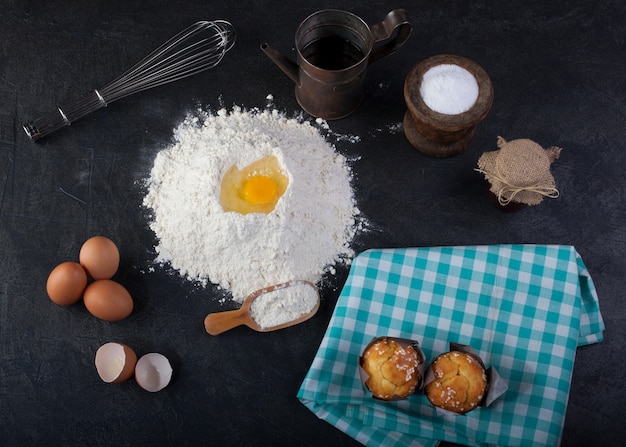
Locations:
(257, 188)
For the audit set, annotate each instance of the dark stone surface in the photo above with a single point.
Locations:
(558, 71)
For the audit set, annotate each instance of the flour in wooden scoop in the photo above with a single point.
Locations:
(306, 234)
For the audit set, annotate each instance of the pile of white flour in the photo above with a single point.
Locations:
(308, 232)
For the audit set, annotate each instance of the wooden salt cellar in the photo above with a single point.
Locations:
(437, 134)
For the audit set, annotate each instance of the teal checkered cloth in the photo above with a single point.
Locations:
(523, 308)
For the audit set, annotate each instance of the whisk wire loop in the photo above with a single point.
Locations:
(193, 50)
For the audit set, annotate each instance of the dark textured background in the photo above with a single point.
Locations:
(558, 70)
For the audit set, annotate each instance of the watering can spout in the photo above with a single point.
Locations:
(288, 67)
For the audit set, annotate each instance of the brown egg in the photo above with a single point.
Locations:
(100, 257)
(108, 300)
(66, 283)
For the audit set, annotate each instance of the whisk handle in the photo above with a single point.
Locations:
(64, 115)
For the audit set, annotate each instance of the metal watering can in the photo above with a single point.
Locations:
(334, 49)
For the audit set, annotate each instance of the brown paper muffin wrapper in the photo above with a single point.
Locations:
(405, 343)
(496, 385)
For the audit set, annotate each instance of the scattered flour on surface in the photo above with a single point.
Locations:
(339, 137)
(309, 231)
(283, 305)
(393, 129)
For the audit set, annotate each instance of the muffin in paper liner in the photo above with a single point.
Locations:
(399, 359)
(495, 386)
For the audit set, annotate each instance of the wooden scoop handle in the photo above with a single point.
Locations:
(219, 322)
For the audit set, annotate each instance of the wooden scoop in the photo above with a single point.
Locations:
(219, 322)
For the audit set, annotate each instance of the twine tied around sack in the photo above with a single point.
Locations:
(520, 171)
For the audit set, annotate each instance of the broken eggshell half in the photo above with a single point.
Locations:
(115, 362)
(153, 372)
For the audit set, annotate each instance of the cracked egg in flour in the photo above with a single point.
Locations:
(256, 188)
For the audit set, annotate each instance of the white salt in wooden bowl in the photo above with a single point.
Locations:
(447, 96)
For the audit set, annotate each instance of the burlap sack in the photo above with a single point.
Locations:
(520, 171)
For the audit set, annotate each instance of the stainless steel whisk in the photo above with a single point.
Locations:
(195, 49)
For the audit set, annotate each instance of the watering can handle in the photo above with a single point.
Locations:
(396, 19)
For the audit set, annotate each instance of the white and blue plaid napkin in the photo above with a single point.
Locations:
(524, 309)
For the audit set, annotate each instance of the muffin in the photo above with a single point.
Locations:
(459, 384)
(393, 369)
